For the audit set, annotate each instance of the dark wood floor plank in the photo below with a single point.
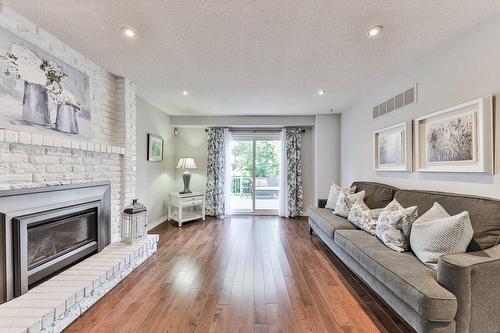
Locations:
(240, 274)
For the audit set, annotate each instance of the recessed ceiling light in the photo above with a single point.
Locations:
(185, 92)
(128, 32)
(374, 31)
(321, 92)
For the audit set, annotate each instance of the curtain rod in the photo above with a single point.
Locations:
(274, 129)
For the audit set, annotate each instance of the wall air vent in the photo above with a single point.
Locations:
(397, 102)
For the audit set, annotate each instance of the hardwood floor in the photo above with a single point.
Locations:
(240, 274)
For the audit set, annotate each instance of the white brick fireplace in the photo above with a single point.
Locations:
(33, 160)
(29, 160)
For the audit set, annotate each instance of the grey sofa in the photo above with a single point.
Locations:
(462, 296)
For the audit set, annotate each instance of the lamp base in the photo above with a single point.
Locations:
(186, 178)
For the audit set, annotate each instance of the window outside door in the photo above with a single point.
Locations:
(255, 173)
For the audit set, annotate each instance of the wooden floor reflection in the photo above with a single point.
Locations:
(240, 274)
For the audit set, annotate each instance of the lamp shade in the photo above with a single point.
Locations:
(186, 163)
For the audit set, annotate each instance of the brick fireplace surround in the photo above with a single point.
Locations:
(30, 160)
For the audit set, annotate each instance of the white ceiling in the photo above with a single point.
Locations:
(244, 57)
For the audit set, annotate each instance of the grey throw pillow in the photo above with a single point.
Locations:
(335, 190)
(346, 201)
(436, 233)
(364, 217)
(393, 226)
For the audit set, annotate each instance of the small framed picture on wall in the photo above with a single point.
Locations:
(155, 148)
(392, 148)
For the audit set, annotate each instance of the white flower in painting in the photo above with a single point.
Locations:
(24, 64)
(9, 66)
(28, 65)
(54, 90)
(70, 99)
(62, 96)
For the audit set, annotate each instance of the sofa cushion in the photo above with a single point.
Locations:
(402, 273)
(436, 233)
(363, 217)
(327, 221)
(345, 202)
(376, 195)
(393, 227)
(484, 213)
(335, 191)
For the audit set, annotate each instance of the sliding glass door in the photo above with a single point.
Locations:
(255, 173)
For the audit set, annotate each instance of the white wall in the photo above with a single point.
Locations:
(154, 179)
(459, 71)
(327, 154)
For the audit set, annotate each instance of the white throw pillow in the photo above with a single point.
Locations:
(364, 217)
(334, 194)
(393, 227)
(346, 201)
(436, 233)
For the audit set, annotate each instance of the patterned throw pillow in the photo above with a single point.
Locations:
(334, 194)
(392, 206)
(436, 233)
(346, 201)
(393, 227)
(364, 217)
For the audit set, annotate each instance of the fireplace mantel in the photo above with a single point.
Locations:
(18, 203)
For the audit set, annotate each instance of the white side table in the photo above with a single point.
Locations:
(190, 206)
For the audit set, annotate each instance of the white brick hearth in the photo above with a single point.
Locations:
(54, 304)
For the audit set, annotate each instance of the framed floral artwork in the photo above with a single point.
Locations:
(40, 93)
(393, 148)
(456, 139)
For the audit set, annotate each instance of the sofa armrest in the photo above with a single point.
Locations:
(474, 278)
(322, 203)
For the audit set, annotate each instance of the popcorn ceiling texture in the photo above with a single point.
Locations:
(33, 160)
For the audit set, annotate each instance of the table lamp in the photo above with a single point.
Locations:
(186, 163)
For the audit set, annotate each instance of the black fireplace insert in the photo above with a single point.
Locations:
(46, 230)
(52, 238)
(50, 241)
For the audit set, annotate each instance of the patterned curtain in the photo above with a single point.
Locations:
(295, 198)
(215, 173)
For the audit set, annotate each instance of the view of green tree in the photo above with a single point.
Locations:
(242, 158)
(267, 158)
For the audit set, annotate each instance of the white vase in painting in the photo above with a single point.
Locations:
(35, 104)
(66, 119)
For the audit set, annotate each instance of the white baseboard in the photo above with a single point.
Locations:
(156, 222)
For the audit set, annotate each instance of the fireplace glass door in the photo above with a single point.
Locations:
(50, 239)
(48, 242)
